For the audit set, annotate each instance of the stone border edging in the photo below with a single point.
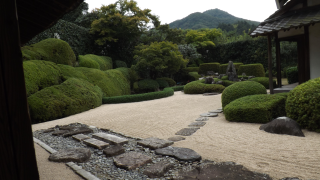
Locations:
(77, 169)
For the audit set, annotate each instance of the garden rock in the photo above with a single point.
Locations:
(283, 125)
(80, 130)
(157, 170)
(80, 137)
(48, 130)
(109, 138)
(59, 132)
(197, 124)
(182, 154)
(209, 114)
(210, 94)
(154, 143)
(231, 72)
(95, 143)
(209, 80)
(67, 155)
(176, 138)
(187, 131)
(216, 111)
(113, 150)
(202, 119)
(131, 160)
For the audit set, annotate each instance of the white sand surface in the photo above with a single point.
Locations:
(219, 140)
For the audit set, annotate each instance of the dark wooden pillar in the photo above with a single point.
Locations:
(270, 64)
(278, 60)
(306, 54)
(17, 154)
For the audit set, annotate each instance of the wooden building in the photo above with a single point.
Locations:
(20, 20)
(298, 21)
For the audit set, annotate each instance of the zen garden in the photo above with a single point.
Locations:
(131, 98)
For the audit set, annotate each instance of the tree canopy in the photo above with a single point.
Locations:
(202, 38)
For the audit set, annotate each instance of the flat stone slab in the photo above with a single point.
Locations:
(187, 131)
(197, 124)
(176, 138)
(109, 138)
(209, 114)
(81, 130)
(182, 154)
(95, 143)
(67, 155)
(113, 150)
(59, 132)
(131, 160)
(216, 111)
(154, 143)
(202, 119)
(48, 130)
(158, 170)
(67, 127)
(80, 137)
(210, 94)
(220, 108)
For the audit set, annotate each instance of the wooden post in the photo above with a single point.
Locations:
(278, 60)
(270, 64)
(17, 154)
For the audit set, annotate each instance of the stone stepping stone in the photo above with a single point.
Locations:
(209, 114)
(59, 132)
(187, 131)
(95, 143)
(210, 94)
(220, 108)
(158, 170)
(216, 111)
(197, 124)
(109, 138)
(67, 155)
(131, 160)
(113, 150)
(202, 119)
(81, 130)
(154, 143)
(80, 137)
(176, 138)
(182, 154)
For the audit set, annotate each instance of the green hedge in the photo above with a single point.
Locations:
(205, 67)
(169, 80)
(97, 62)
(138, 97)
(191, 69)
(71, 72)
(241, 89)
(264, 81)
(119, 64)
(71, 97)
(148, 85)
(198, 87)
(293, 75)
(223, 67)
(121, 83)
(260, 108)
(303, 104)
(40, 74)
(54, 50)
(256, 70)
(177, 88)
(162, 83)
(194, 76)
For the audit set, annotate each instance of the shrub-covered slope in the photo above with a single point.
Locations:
(97, 62)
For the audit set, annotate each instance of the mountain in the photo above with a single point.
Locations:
(208, 19)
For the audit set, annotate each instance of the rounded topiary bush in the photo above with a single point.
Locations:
(148, 85)
(256, 70)
(71, 72)
(303, 104)
(191, 69)
(97, 62)
(194, 76)
(293, 75)
(119, 64)
(71, 97)
(260, 108)
(264, 81)
(205, 67)
(241, 89)
(162, 83)
(54, 50)
(169, 80)
(198, 87)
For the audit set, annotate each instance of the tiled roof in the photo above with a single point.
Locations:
(288, 20)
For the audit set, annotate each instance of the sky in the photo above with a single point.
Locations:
(171, 10)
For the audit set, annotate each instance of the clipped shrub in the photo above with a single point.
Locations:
(293, 75)
(191, 69)
(260, 108)
(264, 81)
(303, 105)
(40, 74)
(119, 80)
(71, 72)
(241, 89)
(177, 88)
(198, 87)
(224, 78)
(54, 50)
(256, 70)
(205, 67)
(148, 85)
(119, 64)
(71, 97)
(97, 62)
(227, 83)
(223, 67)
(162, 83)
(169, 80)
(194, 76)
(138, 97)
(284, 94)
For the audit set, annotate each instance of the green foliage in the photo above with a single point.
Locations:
(97, 62)
(119, 64)
(191, 69)
(293, 75)
(264, 81)
(205, 67)
(189, 51)
(194, 76)
(120, 81)
(53, 50)
(162, 83)
(241, 89)
(177, 88)
(223, 67)
(202, 38)
(260, 108)
(170, 81)
(40, 74)
(284, 94)
(158, 59)
(71, 72)
(198, 87)
(148, 85)
(138, 97)
(256, 70)
(76, 13)
(227, 83)
(71, 97)
(303, 104)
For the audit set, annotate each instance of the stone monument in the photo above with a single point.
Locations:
(231, 72)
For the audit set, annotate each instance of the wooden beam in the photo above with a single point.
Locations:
(270, 64)
(278, 60)
(17, 154)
